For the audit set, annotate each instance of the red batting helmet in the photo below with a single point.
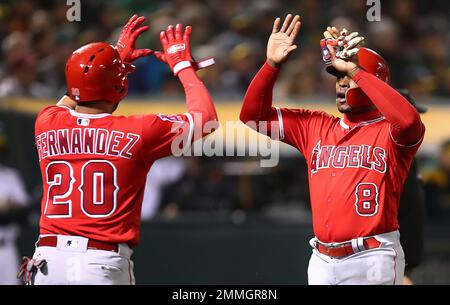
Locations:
(371, 62)
(96, 72)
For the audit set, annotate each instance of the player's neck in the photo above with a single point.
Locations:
(96, 107)
(352, 119)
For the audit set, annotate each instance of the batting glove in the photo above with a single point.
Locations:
(126, 45)
(28, 269)
(349, 44)
(177, 50)
(346, 45)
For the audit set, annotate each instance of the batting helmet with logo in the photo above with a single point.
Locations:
(371, 62)
(95, 72)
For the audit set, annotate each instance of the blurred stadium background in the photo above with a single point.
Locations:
(227, 220)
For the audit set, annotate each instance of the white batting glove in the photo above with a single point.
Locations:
(349, 44)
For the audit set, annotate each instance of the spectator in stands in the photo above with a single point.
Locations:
(202, 187)
(411, 214)
(437, 185)
(20, 78)
(163, 173)
(236, 30)
(13, 200)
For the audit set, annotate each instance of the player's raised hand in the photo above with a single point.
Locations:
(343, 47)
(176, 47)
(281, 41)
(346, 66)
(126, 45)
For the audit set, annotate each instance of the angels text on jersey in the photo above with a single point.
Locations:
(342, 156)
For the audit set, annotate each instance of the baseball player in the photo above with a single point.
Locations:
(94, 164)
(357, 164)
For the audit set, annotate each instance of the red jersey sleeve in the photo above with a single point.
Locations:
(402, 149)
(48, 113)
(296, 126)
(406, 127)
(164, 135)
(48, 117)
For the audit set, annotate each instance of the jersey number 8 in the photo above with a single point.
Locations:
(366, 199)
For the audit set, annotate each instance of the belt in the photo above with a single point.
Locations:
(347, 248)
(52, 241)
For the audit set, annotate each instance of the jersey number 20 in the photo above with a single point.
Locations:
(366, 199)
(98, 189)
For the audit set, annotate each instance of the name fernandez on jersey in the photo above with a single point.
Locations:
(356, 156)
(95, 141)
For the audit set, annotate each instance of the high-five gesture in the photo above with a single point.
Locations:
(176, 47)
(281, 41)
(126, 45)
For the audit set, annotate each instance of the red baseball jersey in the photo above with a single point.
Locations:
(94, 169)
(356, 175)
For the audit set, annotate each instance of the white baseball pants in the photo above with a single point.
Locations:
(379, 266)
(81, 266)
